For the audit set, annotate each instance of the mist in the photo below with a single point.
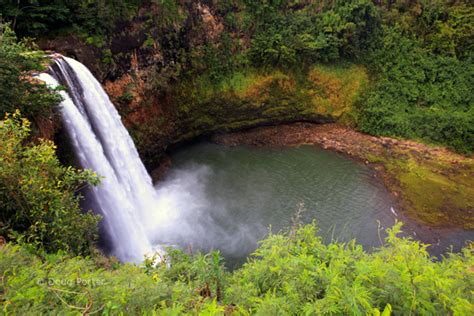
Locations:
(201, 220)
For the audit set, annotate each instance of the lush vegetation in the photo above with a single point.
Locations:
(34, 18)
(38, 200)
(291, 273)
(399, 68)
(418, 53)
(419, 94)
(38, 204)
(18, 90)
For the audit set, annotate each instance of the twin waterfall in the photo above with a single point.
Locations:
(126, 197)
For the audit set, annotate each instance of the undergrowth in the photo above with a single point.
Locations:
(291, 273)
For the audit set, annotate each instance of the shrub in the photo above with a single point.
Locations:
(295, 273)
(291, 273)
(38, 200)
(417, 94)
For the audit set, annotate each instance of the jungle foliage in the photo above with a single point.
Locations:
(420, 53)
(18, 90)
(291, 273)
(424, 85)
(415, 62)
(38, 201)
(36, 17)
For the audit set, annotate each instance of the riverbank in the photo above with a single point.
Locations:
(432, 185)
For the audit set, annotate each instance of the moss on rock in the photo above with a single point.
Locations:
(251, 97)
(437, 190)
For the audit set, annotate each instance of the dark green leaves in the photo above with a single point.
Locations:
(419, 94)
(18, 90)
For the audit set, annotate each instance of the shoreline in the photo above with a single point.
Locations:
(409, 170)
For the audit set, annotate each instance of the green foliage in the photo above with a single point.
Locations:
(38, 201)
(297, 274)
(418, 94)
(35, 17)
(62, 284)
(218, 62)
(291, 273)
(171, 12)
(95, 21)
(17, 89)
(289, 36)
(445, 27)
(419, 52)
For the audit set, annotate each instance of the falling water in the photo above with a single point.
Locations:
(126, 197)
(224, 198)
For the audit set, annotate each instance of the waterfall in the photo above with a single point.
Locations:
(125, 198)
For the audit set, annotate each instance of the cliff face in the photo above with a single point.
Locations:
(141, 67)
(142, 42)
(167, 71)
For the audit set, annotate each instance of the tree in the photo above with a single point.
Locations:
(17, 88)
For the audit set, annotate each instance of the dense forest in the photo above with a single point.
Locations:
(418, 53)
(403, 69)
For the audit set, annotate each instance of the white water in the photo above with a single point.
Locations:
(222, 200)
(126, 197)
